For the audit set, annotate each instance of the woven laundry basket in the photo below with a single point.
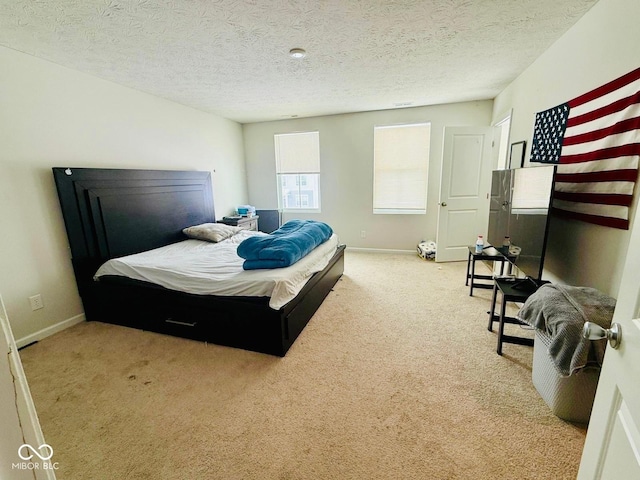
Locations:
(570, 398)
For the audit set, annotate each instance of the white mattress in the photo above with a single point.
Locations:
(205, 268)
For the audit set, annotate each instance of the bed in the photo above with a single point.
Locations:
(115, 213)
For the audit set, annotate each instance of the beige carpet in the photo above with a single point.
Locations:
(395, 377)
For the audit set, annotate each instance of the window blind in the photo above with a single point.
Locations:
(298, 171)
(401, 166)
(297, 152)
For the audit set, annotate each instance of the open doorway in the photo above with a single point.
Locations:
(503, 131)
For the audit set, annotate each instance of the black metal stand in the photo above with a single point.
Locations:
(512, 290)
(489, 254)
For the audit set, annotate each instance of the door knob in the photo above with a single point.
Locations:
(593, 331)
(443, 204)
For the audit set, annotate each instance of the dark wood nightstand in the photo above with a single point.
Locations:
(248, 223)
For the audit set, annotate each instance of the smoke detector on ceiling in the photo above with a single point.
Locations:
(297, 53)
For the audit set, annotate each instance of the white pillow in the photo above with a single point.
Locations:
(211, 232)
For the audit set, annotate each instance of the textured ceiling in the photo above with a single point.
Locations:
(230, 57)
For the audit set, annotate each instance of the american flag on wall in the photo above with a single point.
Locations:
(595, 139)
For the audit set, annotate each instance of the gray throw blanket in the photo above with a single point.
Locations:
(560, 311)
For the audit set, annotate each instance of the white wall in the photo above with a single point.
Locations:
(346, 163)
(52, 116)
(603, 45)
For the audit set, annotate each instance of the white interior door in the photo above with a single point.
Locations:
(612, 447)
(22, 444)
(465, 184)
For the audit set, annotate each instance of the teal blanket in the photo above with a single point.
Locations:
(284, 246)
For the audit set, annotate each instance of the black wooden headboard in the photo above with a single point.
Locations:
(114, 212)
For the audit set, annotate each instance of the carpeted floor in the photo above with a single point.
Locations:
(395, 377)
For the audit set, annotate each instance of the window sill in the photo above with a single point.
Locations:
(380, 211)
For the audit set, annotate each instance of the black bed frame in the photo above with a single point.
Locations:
(114, 212)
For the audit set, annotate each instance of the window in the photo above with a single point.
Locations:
(298, 171)
(401, 165)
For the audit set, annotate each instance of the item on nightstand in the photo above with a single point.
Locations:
(246, 210)
(427, 250)
(506, 245)
(479, 244)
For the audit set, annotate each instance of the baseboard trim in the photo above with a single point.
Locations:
(47, 332)
(380, 250)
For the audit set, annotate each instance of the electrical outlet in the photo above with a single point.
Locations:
(363, 234)
(36, 302)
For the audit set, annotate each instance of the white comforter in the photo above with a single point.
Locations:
(205, 268)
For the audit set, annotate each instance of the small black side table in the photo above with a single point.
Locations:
(489, 254)
(512, 290)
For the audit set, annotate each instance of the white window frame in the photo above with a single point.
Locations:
(291, 163)
(401, 172)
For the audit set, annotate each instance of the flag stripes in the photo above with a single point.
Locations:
(629, 125)
(626, 175)
(600, 198)
(605, 221)
(620, 188)
(616, 85)
(610, 109)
